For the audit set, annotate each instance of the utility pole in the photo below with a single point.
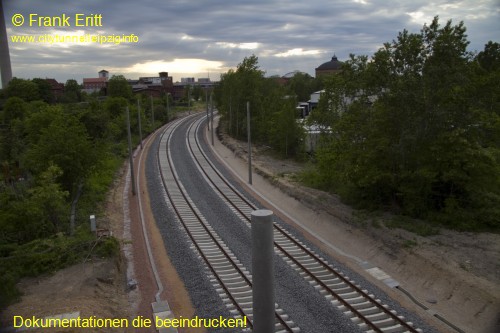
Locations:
(249, 145)
(230, 115)
(189, 99)
(152, 111)
(168, 108)
(131, 159)
(206, 99)
(139, 120)
(212, 116)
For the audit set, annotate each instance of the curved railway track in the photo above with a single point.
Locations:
(230, 279)
(369, 313)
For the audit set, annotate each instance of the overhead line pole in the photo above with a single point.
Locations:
(249, 145)
(212, 116)
(168, 107)
(152, 112)
(206, 99)
(139, 120)
(131, 159)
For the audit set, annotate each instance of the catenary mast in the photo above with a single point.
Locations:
(5, 67)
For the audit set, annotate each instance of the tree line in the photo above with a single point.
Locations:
(416, 129)
(50, 154)
(273, 113)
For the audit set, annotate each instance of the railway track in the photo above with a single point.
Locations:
(230, 279)
(369, 313)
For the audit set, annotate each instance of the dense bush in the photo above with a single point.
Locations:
(47, 255)
(417, 129)
(49, 155)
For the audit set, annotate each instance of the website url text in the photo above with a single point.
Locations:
(87, 38)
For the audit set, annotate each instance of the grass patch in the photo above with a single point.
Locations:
(409, 243)
(415, 226)
(311, 178)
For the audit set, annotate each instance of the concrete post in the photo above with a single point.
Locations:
(93, 226)
(263, 271)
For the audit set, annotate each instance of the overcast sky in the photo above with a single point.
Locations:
(190, 38)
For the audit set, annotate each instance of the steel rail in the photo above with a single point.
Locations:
(407, 326)
(187, 201)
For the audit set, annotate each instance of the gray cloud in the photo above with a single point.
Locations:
(226, 31)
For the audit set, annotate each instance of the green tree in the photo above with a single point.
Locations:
(283, 132)
(44, 90)
(97, 121)
(72, 92)
(246, 83)
(115, 108)
(489, 58)
(272, 110)
(14, 108)
(65, 143)
(12, 143)
(32, 212)
(24, 89)
(119, 87)
(417, 132)
(48, 202)
(302, 85)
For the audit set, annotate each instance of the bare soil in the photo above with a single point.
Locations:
(95, 288)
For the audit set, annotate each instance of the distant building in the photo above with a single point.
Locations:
(314, 100)
(56, 87)
(155, 86)
(282, 80)
(204, 83)
(104, 73)
(330, 67)
(96, 84)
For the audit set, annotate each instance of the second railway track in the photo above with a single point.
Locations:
(230, 279)
(363, 308)
(214, 217)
